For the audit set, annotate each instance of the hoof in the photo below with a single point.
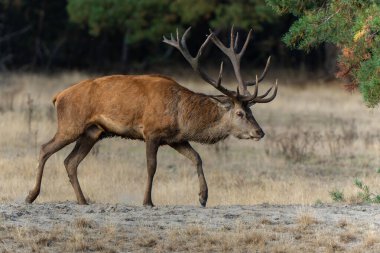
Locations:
(148, 204)
(203, 202)
(82, 203)
(31, 197)
(203, 198)
(29, 200)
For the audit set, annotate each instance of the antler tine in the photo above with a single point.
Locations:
(250, 83)
(256, 90)
(217, 42)
(218, 85)
(236, 42)
(266, 93)
(232, 38)
(200, 51)
(184, 37)
(180, 44)
(251, 97)
(262, 99)
(242, 51)
(266, 100)
(171, 42)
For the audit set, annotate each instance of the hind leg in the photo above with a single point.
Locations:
(49, 148)
(82, 148)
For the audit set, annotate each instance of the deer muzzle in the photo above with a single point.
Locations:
(257, 134)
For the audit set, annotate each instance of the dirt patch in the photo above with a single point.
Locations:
(51, 227)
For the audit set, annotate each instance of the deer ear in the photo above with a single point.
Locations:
(223, 101)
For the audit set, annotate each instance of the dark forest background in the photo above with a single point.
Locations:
(126, 35)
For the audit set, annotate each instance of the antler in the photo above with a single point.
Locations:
(180, 44)
(235, 58)
(242, 94)
(253, 99)
(250, 83)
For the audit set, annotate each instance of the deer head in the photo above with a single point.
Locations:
(238, 115)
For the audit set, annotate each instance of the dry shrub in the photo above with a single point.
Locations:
(282, 248)
(221, 148)
(83, 238)
(342, 223)
(88, 241)
(83, 223)
(340, 134)
(146, 238)
(371, 239)
(78, 242)
(370, 139)
(328, 243)
(33, 239)
(265, 221)
(295, 145)
(8, 96)
(57, 239)
(46, 239)
(203, 239)
(306, 220)
(252, 238)
(347, 237)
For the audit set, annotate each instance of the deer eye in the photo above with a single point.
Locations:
(240, 114)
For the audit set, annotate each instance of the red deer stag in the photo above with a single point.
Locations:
(157, 110)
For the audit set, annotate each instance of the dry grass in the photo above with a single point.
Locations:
(318, 138)
(371, 239)
(342, 223)
(347, 237)
(305, 220)
(185, 239)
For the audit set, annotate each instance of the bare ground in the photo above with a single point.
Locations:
(66, 226)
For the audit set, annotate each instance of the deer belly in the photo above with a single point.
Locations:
(121, 128)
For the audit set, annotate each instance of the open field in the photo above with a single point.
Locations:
(319, 138)
(67, 227)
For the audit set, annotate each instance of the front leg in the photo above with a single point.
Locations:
(187, 150)
(151, 158)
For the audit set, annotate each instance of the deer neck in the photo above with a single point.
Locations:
(203, 120)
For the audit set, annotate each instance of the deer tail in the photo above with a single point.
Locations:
(55, 98)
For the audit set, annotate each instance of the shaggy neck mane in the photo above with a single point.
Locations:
(201, 118)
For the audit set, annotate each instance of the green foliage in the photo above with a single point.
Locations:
(337, 195)
(368, 78)
(191, 12)
(149, 19)
(244, 14)
(136, 19)
(295, 7)
(364, 195)
(352, 25)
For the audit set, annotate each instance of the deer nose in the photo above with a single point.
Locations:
(260, 133)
